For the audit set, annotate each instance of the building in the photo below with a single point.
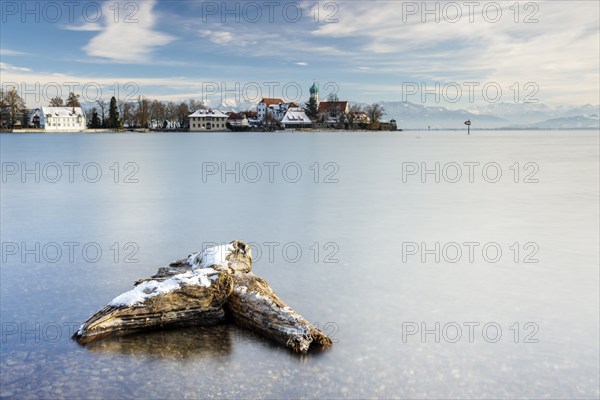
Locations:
(237, 122)
(59, 119)
(333, 108)
(207, 120)
(314, 93)
(266, 106)
(296, 118)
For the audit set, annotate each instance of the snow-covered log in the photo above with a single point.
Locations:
(195, 297)
(203, 289)
(254, 305)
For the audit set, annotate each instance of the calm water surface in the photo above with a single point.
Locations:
(350, 243)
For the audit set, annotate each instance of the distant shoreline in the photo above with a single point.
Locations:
(148, 131)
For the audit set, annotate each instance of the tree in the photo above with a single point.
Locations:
(311, 108)
(157, 113)
(375, 112)
(3, 110)
(73, 100)
(113, 114)
(332, 105)
(94, 120)
(56, 102)
(143, 112)
(171, 114)
(194, 105)
(102, 104)
(182, 115)
(128, 114)
(12, 105)
(353, 113)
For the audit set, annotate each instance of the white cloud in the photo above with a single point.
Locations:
(9, 52)
(131, 39)
(224, 38)
(83, 28)
(302, 64)
(9, 67)
(559, 52)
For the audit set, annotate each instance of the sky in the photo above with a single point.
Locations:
(450, 54)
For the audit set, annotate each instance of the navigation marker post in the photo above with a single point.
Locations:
(468, 124)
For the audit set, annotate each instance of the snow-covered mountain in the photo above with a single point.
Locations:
(500, 115)
(227, 105)
(577, 122)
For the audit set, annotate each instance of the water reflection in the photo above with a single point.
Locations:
(183, 343)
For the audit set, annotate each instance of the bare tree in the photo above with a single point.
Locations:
(375, 112)
(195, 105)
(73, 100)
(353, 113)
(56, 102)
(171, 114)
(3, 110)
(12, 105)
(103, 106)
(333, 105)
(128, 114)
(157, 113)
(182, 115)
(143, 112)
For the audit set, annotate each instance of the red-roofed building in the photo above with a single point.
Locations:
(264, 105)
(333, 108)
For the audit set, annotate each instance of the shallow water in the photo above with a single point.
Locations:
(343, 228)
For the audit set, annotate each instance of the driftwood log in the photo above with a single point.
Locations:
(204, 289)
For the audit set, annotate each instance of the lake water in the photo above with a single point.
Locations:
(482, 285)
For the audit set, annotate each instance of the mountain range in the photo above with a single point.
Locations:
(493, 116)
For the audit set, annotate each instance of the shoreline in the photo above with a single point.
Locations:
(148, 131)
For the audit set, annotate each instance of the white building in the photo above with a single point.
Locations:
(267, 107)
(207, 120)
(61, 118)
(296, 118)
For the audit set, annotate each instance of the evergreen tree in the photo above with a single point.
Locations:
(113, 114)
(95, 120)
(311, 108)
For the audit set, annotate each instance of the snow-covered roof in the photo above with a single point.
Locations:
(207, 113)
(296, 116)
(63, 111)
(271, 101)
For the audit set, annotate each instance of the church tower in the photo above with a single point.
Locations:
(314, 92)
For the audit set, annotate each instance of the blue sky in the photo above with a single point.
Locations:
(451, 54)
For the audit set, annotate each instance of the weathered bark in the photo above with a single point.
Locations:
(199, 290)
(188, 305)
(254, 305)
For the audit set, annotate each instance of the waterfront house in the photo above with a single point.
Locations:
(266, 106)
(207, 120)
(59, 119)
(295, 117)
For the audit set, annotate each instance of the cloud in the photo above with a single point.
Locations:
(83, 28)
(132, 37)
(302, 64)
(225, 38)
(558, 50)
(9, 67)
(8, 52)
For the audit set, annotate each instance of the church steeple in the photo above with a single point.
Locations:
(314, 92)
